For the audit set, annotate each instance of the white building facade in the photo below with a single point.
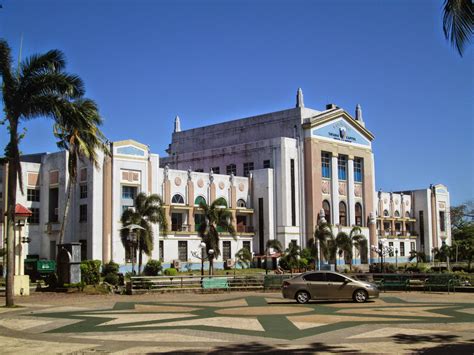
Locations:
(277, 173)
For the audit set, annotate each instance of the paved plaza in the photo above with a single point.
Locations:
(238, 322)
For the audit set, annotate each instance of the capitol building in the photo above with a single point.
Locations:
(278, 173)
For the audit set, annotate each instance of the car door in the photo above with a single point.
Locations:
(317, 285)
(338, 286)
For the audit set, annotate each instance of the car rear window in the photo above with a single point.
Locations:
(317, 276)
(335, 277)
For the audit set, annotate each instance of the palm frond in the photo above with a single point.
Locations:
(51, 61)
(458, 20)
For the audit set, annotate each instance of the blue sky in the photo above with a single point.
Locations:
(211, 61)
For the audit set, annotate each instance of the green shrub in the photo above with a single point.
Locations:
(284, 263)
(303, 263)
(152, 268)
(112, 278)
(110, 268)
(171, 271)
(90, 272)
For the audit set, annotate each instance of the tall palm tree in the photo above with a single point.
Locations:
(327, 242)
(243, 258)
(419, 256)
(37, 87)
(458, 23)
(216, 217)
(344, 247)
(271, 244)
(292, 254)
(358, 240)
(148, 210)
(79, 134)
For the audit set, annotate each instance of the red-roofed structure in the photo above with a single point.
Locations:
(22, 211)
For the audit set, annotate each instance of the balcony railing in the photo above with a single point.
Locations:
(180, 227)
(245, 229)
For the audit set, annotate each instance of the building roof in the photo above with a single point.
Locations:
(22, 211)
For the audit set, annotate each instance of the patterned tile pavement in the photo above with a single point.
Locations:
(238, 322)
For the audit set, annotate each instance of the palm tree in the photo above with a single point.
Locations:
(271, 244)
(78, 134)
(292, 254)
(458, 22)
(419, 256)
(243, 258)
(37, 87)
(327, 242)
(313, 250)
(148, 210)
(216, 217)
(344, 246)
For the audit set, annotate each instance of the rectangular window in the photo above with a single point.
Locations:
(248, 167)
(199, 170)
(53, 205)
(198, 220)
(125, 207)
(35, 216)
(52, 250)
(293, 192)
(162, 251)
(231, 169)
(412, 246)
(442, 221)
(183, 250)
(226, 250)
(358, 167)
(390, 244)
(83, 176)
(130, 254)
(402, 249)
(266, 164)
(83, 191)
(422, 228)
(342, 167)
(33, 195)
(83, 213)
(216, 170)
(260, 227)
(246, 244)
(326, 164)
(83, 249)
(176, 222)
(129, 192)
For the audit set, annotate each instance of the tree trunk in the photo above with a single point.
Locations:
(66, 210)
(139, 261)
(13, 155)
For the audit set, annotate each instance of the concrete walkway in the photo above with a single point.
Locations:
(398, 322)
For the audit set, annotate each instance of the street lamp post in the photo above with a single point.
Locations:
(396, 258)
(134, 240)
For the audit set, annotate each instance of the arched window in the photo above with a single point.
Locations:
(177, 199)
(358, 214)
(342, 214)
(385, 213)
(397, 214)
(198, 200)
(407, 214)
(241, 203)
(327, 211)
(221, 201)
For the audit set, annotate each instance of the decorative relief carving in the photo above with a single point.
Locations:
(241, 187)
(177, 181)
(358, 190)
(396, 201)
(325, 187)
(200, 182)
(342, 188)
(221, 185)
(442, 205)
(407, 203)
(385, 201)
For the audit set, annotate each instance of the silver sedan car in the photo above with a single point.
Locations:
(327, 285)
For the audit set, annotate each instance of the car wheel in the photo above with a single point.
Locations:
(302, 297)
(360, 296)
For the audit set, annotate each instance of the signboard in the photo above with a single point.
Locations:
(340, 130)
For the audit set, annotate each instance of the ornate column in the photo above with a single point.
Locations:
(372, 237)
(392, 215)
(351, 196)
(190, 198)
(334, 190)
(402, 209)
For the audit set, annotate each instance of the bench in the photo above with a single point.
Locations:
(209, 283)
(415, 284)
(439, 282)
(393, 282)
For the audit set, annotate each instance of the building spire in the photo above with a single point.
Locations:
(359, 113)
(299, 98)
(177, 124)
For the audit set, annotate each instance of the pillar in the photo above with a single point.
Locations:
(351, 195)
(334, 190)
(372, 237)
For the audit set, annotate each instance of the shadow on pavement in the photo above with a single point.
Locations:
(415, 339)
(269, 349)
(447, 344)
(320, 302)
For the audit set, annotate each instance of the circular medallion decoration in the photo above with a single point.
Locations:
(396, 201)
(177, 181)
(385, 201)
(241, 186)
(325, 187)
(221, 185)
(200, 183)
